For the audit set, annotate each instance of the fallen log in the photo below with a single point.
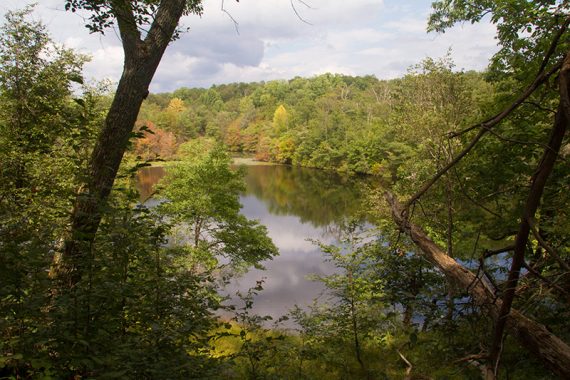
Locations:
(533, 336)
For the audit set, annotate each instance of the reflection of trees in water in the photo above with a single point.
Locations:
(146, 179)
(319, 197)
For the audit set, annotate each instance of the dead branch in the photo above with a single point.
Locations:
(549, 283)
(409, 369)
(236, 24)
(297, 13)
(540, 107)
(493, 252)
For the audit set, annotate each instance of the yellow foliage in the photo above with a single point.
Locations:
(280, 119)
(176, 106)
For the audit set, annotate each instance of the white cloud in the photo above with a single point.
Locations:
(106, 63)
(357, 37)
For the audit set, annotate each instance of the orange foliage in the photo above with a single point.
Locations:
(233, 137)
(156, 142)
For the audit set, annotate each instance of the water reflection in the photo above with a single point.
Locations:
(295, 204)
(285, 276)
(146, 179)
(319, 197)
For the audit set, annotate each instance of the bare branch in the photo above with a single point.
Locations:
(297, 13)
(465, 193)
(493, 252)
(236, 24)
(520, 142)
(540, 107)
(532, 335)
(472, 357)
(549, 283)
(408, 364)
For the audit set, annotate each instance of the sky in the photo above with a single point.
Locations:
(357, 37)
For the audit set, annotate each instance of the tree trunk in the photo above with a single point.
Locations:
(554, 353)
(538, 183)
(141, 61)
(408, 313)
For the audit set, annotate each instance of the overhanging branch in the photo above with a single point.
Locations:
(485, 127)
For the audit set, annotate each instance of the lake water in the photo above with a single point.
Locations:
(295, 204)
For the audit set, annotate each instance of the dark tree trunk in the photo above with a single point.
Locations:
(538, 183)
(408, 313)
(141, 61)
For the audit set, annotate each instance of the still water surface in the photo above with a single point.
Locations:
(296, 205)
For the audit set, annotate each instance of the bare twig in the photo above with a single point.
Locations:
(408, 364)
(490, 278)
(540, 107)
(297, 13)
(236, 24)
(465, 193)
(472, 357)
(493, 252)
(521, 142)
(549, 283)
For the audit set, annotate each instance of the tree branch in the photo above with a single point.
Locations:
(164, 24)
(236, 24)
(539, 179)
(541, 78)
(130, 35)
(297, 13)
(493, 252)
(531, 334)
(547, 247)
(549, 283)
(554, 43)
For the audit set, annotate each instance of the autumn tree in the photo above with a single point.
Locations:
(154, 142)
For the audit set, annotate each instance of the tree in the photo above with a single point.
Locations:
(534, 48)
(280, 120)
(201, 195)
(46, 131)
(356, 291)
(154, 142)
(143, 52)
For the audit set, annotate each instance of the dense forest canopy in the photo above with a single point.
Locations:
(466, 274)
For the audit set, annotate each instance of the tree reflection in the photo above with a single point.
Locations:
(315, 196)
(146, 179)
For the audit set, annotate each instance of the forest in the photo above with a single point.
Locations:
(457, 265)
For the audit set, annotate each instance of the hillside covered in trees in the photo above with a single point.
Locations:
(460, 271)
(350, 124)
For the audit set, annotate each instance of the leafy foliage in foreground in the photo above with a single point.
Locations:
(139, 310)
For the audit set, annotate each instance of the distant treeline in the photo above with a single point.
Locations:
(331, 121)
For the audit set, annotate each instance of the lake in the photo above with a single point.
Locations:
(296, 205)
